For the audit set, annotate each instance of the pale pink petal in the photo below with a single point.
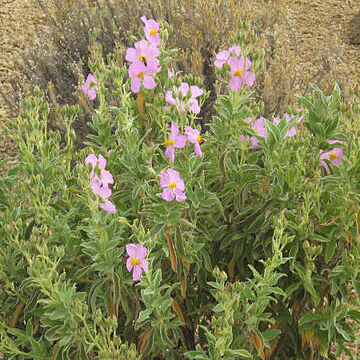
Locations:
(108, 206)
(106, 177)
(141, 251)
(325, 165)
(102, 162)
(131, 55)
(169, 97)
(194, 106)
(164, 181)
(170, 153)
(180, 185)
(196, 91)
(136, 275)
(180, 141)
(145, 265)
(167, 195)
(198, 150)
(131, 250)
(248, 78)
(92, 94)
(129, 266)
(235, 83)
(184, 88)
(149, 82)
(91, 159)
(180, 196)
(135, 84)
(174, 129)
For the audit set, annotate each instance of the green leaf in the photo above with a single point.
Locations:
(238, 353)
(330, 250)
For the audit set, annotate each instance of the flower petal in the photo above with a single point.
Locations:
(131, 250)
(167, 194)
(137, 273)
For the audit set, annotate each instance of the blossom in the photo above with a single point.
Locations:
(141, 74)
(145, 53)
(291, 132)
(335, 155)
(174, 141)
(136, 262)
(183, 91)
(193, 135)
(259, 127)
(100, 185)
(173, 185)
(151, 30)
(223, 56)
(239, 73)
(90, 87)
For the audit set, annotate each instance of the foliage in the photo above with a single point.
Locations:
(257, 262)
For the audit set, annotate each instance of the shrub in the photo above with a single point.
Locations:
(245, 243)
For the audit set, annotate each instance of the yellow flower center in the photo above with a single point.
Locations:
(170, 142)
(153, 32)
(238, 72)
(256, 130)
(142, 58)
(141, 75)
(198, 139)
(92, 84)
(135, 261)
(172, 185)
(333, 156)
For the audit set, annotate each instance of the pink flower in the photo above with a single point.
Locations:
(239, 74)
(335, 155)
(183, 92)
(174, 141)
(90, 87)
(93, 160)
(141, 74)
(173, 185)
(100, 185)
(193, 135)
(136, 262)
(145, 53)
(259, 127)
(151, 30)
(291, 132)
(223, 56)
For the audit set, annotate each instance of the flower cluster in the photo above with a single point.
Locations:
(259, 127)
(100, 185)
(170, 180)
(239, 66)
(143, 57)
(179, 141)
(334, 156)
(185, 97)
(90, 87)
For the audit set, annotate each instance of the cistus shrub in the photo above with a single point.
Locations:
(160, 240)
